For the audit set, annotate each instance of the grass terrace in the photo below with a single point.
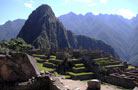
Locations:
(79, 65)
(106, 61)
(42, 68)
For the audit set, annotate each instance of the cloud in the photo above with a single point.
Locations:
(103, 1)
(78, 1)
(89, 3)
(29, 4)
(126, 13)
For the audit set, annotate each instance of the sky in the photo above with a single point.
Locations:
(15, 9)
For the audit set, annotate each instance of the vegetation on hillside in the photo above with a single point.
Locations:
(17, 45)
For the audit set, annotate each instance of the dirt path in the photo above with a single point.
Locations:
(82, 85)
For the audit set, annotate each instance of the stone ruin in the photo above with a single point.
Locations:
(18, 71)
(17, 67)
(62, 55)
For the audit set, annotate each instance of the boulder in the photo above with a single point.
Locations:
(17, 67)
(136, 88)
(94, 85)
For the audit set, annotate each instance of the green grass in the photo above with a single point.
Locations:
(106, 58)
(103, 62)
(53, 57)
(106, 62)
(131, 67)
(55, 61)
(79, 74)
(79, 68)
(56, 74)
(48, 63)
(113, 66)
(79, 65)
(37, 58)
(67, 76)
(41, 68)
(38, 55)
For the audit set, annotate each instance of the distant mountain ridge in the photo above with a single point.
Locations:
(10, 29)
(114, 30)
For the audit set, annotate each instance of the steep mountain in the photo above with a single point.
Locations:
(134, 50)
(44, 30)
(134, 43)
(10, 29)
(72, 39)
(114, 30)
(89, 43)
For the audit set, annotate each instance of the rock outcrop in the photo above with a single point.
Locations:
(17, 68)
(94, 85)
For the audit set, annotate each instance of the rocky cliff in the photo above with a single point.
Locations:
(44, 30)
(17, 67)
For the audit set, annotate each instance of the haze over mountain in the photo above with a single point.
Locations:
(43, 30)
(114, 30)
(10, 29)
(134, 43)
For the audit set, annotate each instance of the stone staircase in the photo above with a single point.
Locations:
(79, 71)
(49, 65)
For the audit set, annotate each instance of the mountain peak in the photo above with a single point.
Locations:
(44, 7)
(43, 10)
(44, 30)
(71, 13)
(89, 14)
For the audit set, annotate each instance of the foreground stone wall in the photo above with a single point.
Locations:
(39, 83)
(17, 67)
(18, 71)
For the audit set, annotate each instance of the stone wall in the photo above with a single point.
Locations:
(119, 81)
(62, 55)
(39, 83)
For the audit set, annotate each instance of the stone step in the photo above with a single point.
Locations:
(97, 59)
(56, 62)
(81, 76)
(41, 61)
(49, 65)
(40, 56)
(76, 61)
(79, 65)
(67, 76)
(79, 69)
